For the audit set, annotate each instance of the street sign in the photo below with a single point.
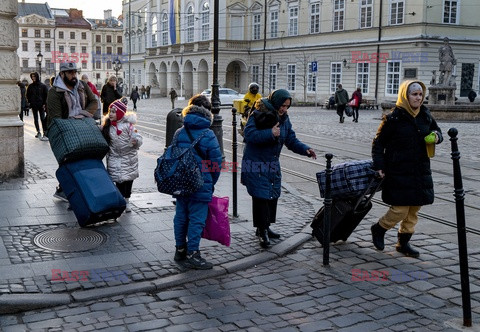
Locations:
(314, 66)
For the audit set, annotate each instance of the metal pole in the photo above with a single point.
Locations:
(217, 119)
(461, 230)
(328, 209)
(129, 45)
(234, 161)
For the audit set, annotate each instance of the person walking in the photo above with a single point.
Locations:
(134, 96)
(109, 93)
(23, 98)
(69, 98)
(173, 96)
(341, 99)
(191, 211)
(143, 94)
(266, 131)
(357, 98)
(122, 137)
(147, 89)
(98, 113)
(399, 153)
(37, 98)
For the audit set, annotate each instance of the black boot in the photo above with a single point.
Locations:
(403, 246)
(378, 235)
(263, 237)
(272, 234)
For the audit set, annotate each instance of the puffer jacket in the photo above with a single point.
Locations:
(122, 158)
(261, 172)
(399, 150)
(197, 120)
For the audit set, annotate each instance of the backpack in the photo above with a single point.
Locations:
(177, 172)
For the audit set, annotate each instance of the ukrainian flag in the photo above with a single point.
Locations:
(174, 21)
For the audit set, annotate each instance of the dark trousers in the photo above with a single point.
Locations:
(355, 113)
(264, 212)
(125, 188)
(134, 104)
(340, 109)
(39, 110)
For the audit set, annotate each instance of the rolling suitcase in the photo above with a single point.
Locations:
(92, 195)
(346, 214)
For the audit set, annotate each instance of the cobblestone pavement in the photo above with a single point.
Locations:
(133, 284)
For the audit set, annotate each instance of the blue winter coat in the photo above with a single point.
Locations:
(261, 172)
(197, 120)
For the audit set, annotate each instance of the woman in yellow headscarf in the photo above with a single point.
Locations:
(400, 155)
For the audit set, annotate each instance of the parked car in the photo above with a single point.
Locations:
(227, 96)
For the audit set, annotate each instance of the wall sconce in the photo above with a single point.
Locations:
(278, 65)
(345, 64)
(194, 69)
(412, 13)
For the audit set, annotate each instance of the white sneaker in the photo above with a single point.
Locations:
(44, 138)
(38, 135)
(127, 208)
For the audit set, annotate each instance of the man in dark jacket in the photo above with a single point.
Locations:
(37, 97)
(109, 93)
(341, 99)
(69, 98)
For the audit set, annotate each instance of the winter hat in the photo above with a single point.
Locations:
(120, 107)
(278, 97)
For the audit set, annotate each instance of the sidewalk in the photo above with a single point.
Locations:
(130, 255)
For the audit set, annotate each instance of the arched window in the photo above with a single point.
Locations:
(205, 19)
(164, 29)
(154, 30)
(190, 24)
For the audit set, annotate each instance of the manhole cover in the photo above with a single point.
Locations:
(69, 239)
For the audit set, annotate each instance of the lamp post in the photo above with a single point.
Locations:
(117, 65)
(39, 61)
(217, 119)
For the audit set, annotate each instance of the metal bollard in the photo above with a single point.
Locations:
(234, 161)
(461, 229)
(174, 121)
(328, 210)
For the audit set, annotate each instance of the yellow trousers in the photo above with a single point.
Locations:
(407, 216)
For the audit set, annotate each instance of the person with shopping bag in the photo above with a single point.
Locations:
(355, 102)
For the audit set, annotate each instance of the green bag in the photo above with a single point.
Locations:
(76, 139)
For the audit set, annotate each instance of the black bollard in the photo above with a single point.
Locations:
(328, 210)
(234, 161)
(461, 229)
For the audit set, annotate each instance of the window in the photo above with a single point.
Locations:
(291, 76)
(47, 47)
(98, 49)
(37, 33)
(84, 35)
(274, 24)
(25, 47)
(72, 49)
(98, 38)
(154, 31)
(47, 33)
(119, 39)
(190, 24)
(396, 12)
(139, 76)
(119, 50)
(109, 64)
(164, 29)
(366, 13)
(25, 63)
(272, 77)
(255, 73)
(60, 35)
(393, 77)
(109, 50)
(84, 65)
(363, 74)
(84, 49)
(38, 47)
(315, 18)
(205, 21)
(48, 65)
(72, 35)
(61, 48)
(311, 79)
(335, 75)
(338, 15)
(293, 21)
(450, 12)
(98, 65)
(257, 19)
(139, 37)
(24, 33)
(109, 38)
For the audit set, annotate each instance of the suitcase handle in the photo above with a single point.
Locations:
(370, 185)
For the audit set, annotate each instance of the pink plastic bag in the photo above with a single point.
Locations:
(217, 227)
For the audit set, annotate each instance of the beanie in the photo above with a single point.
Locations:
(120, 106)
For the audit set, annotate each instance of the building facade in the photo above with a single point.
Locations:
(305, 46)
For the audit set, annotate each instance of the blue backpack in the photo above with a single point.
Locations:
(177, 172)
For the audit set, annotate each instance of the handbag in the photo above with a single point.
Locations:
(353, 102)
(217, 226)
(177, 172)
(348, 111)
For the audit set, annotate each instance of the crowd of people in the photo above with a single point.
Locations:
(398, 152)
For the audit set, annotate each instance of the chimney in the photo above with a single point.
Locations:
(75, 13)
(107, 14)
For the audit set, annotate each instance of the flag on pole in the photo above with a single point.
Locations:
(174, 21)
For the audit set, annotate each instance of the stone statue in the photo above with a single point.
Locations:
(434, 77)
(447, 61)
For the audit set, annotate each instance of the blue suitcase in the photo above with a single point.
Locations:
(92, 195)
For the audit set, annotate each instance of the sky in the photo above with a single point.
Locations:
(91, 8)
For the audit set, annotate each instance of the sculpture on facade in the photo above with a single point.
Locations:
(447, 61)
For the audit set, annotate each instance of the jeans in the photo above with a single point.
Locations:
(355, 113)
(36, 110)
(189, 222)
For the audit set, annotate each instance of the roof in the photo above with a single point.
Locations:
(108, 23)
(73, 20)
(41, 9)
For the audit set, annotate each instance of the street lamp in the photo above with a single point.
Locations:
(117, 65)
(39, 60)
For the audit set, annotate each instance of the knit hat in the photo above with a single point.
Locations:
(120, 107)
(278, 97)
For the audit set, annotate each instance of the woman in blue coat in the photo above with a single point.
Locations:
(267, 130)
(191, 211)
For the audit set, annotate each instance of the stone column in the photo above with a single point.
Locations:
(12, 163)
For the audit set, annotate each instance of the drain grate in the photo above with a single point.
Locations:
(69, 239)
